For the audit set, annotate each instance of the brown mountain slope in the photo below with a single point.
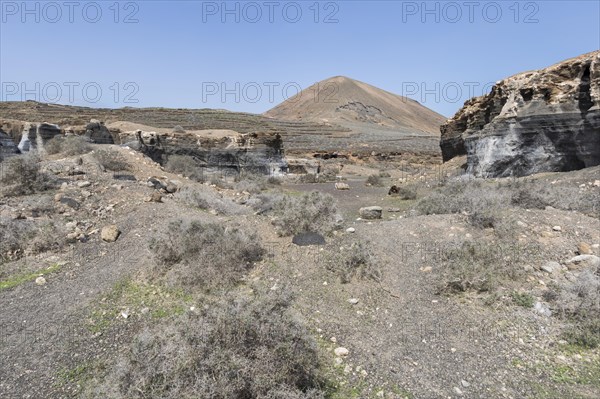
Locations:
(348, 102)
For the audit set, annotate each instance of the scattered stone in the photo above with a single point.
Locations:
(584, 248)
(58, 197)
(371, 212)
(341, 352)
(125, 314)
(308, 238)
(426, 269)
(40, 280)
(596, 183)
(551, 267)
(394, 210)
(557, 228)
(583, 262)
(542, 309)
(110, 233)
(350, 230)
(155, 197)
(84, 184)
(464, 383)
(342, 186)
(458, 391)
(353, 301)
(70, 202)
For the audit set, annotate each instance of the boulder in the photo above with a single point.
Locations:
(342, 186)
(308, 238)
(583, 262)
(539, 121)
(371, 212)
(110, 233)
(98, 133)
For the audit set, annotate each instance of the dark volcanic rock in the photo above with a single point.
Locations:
(252, 152)
(308, 238)
(540, 121)
(7, 146)
(96, 132)
(34, 135)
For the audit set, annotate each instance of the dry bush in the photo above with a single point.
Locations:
(251, 184)
(204, 255)
(207, 199)
(537, 194)
(482, 202)
(473, 266)
(264, 202)
(350, 259)
(21, 175)
(251, 348)
(274, 181)
(24, 237)
(312, 212)
(112, 160)
(407, 192)
(374, 180)
(580, 303)
(185, 166)
(67, 145)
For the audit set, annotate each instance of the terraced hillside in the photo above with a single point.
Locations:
(299, 136)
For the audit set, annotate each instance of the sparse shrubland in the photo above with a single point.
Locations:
(353, 259)
(23, 237)
(482, 267)
(315, 212)
(21, 175)
(374, 180)
(112, 160)
(67, 145)
(237, 348)
(206, 199)
(579, 303)
(204, 255)
(185, 166)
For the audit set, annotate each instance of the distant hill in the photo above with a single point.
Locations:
(350, 103)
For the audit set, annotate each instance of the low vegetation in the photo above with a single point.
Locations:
(353, 259)
(238, 347)
(374, 180)
(204, 255)
(67, 145)
(112, 160)
(311, 212)
(21, 175)
(186, 166)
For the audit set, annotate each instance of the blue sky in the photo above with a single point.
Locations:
(193, 54)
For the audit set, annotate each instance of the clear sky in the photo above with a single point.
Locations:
(242, 55)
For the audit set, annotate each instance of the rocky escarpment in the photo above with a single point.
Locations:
(18, 137)
(252, 152)
(540, 121)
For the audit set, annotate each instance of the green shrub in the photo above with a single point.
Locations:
(523, 299)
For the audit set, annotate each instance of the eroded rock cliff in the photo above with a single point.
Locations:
(539, 121)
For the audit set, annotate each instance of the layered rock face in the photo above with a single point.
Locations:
(34, 135)
(7, 146)
(252, 152)
(540, 121)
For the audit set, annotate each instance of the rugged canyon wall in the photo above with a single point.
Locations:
(540, 121)
(251, 152)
